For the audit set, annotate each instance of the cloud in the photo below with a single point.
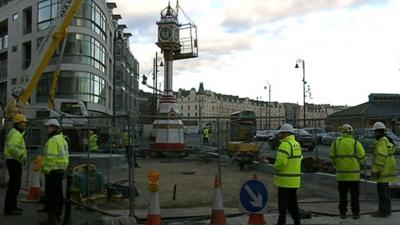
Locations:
(240, 17)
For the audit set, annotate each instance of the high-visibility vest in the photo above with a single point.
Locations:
(288, 163)
(347, 155)
(55, 156)
(205, 132)
(15, 146)
(93, 142)
(128, 140)
(384, 161)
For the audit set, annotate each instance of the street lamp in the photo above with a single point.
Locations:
(304, 87)
(269, 108)
(155, 75)
(259, 104)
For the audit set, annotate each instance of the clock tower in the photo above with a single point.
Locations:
(177, 41)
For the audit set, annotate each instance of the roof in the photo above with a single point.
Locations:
(201, 89)
(116, 16)
(371, 109)
(111, 5)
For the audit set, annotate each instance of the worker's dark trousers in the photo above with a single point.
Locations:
(54, 192)
(129, 150)
(385, 207)
(14, 168)
(287, 200)
(354, 188)
(205, 140)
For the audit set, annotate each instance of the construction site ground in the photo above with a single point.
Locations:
(193, 180)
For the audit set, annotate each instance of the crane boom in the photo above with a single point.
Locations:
(57, 34)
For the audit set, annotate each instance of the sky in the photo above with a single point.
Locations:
(351, 48)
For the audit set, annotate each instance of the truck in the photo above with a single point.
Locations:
(242, 147)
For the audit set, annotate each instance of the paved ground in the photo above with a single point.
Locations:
(194, 182)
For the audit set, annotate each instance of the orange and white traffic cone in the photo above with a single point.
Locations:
(34, 190)
(217, 214)
(153, 212)
(256, 219)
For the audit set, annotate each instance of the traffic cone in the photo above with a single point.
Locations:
(217, 214)
(153, 212)
(34, 190)
(256, 218)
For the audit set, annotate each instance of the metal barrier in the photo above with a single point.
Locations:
(185, 181)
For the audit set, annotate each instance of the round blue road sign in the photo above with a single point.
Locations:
(253, 196)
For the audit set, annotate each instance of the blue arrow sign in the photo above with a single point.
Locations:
(253, 196)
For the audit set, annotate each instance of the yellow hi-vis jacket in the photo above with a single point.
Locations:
(15, 146)
(128, 140)
(347, 156)
(55, 156)
(288, 163)
(93, 142)
(205, 132)
(383, 161)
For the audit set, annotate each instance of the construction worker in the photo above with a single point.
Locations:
(55, 163)
(16, 156)
(287, 174)
(205, 134)
(347, 156)
(92, 141)
(128, 142)
(384, 168)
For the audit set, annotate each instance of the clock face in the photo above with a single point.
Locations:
(165, 33)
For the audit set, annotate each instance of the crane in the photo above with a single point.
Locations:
(49, 45)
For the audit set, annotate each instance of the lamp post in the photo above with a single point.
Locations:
(155, 75)
(259, 104)
(304, 87)
(268, 106)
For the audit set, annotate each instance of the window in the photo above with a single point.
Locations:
(91, 16)
(47, 11)
(15, 16)
(14, 48)
(84, 86)
(85, 49)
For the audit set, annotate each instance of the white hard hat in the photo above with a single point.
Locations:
(378, 126)
(347, 128)
(288, 128)
(52, 122)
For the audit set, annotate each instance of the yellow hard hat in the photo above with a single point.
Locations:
(19, 118)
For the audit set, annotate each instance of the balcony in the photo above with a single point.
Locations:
(28, 29)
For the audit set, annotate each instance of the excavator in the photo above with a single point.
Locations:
(55, 39)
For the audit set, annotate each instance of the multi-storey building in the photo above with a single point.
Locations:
(126, 75)
(205, 103)
(87, 68)
(271, 115)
